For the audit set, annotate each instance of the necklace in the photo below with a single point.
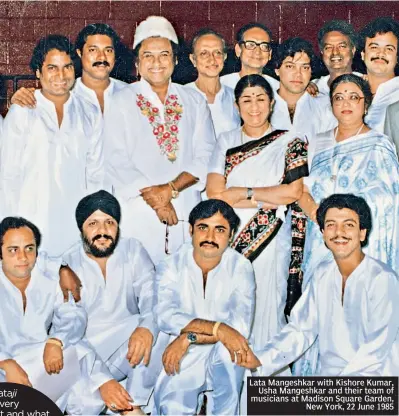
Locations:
(268, 131)
(334, 177)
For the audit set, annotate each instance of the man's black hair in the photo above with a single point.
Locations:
(349, 201)
(377, 26)
(47, 44)
(248, 26)
(12, 223)
(98, 29)
(341, 26)
(292, 46)
(209, 208)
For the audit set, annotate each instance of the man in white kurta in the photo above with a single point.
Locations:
(295, 109)
(52, 155)
(158, 139)
(379, 46)
(206, 299)
(118, 295)
(252, 60)
(350, 305)
(36, 323)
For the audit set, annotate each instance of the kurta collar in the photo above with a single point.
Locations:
(149, 93)
(49, 104)
(108, 91)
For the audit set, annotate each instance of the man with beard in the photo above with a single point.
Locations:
(99, 48)
(118, 296)
(349, 310)
(379, 41)
(206, 300)
(337, 42)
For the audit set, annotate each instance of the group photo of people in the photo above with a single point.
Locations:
(161, 242)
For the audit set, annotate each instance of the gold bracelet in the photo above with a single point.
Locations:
(55, 342)
(215, 329)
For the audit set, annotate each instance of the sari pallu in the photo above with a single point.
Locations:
(263, 237)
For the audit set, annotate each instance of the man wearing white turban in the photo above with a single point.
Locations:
(158, 139)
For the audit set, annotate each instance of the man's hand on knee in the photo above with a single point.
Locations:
(115, 396)
(252, 361)
(140, 346)
(15, 373)
(53, 358)
(234, 342)
(174, 353)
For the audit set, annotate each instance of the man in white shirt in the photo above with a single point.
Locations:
(206, 299)
(253, 49)
(350, 305)
(337, 41)
(158, 138)
(379, 46)
(118, 295)
(101, 51)
(52, 155)
(295, 109)
(41, 334)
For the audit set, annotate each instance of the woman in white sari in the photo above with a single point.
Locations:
(259, 172)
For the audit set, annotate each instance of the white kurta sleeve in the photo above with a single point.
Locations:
(242, 301)
(13, 143)
(95, 166)
(69, 320)
(203, 139)
(295, 338)
(48, 265)
(170, 318)
(121, 174)
(144, 288)
(218, 158)
(383, 327)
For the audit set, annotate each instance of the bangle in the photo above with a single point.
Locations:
(55, 342)
(215, 329)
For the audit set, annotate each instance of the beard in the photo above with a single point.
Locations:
(95, 251)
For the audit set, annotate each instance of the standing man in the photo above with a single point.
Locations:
(118, 296)
(158, 137)
(206, 300)
(253, 49)
(350, 305)
(295, 109)
(379, 41)
(99, 48)
(337, 42)
(52, 155)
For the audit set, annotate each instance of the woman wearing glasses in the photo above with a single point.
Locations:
(259, 172)
(208, 53)
(354, 159)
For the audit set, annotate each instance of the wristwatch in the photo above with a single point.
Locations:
(192, 337)
(175, 192)
(250, 193)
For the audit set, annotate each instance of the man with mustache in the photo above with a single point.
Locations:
(118, 296)
(206, 299)
(350, 306)
(100, 50)
(337, 42)
(379, 45)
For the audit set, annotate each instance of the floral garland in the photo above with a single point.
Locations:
(165, 133)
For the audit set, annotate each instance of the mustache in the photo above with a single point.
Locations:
(98, 236)
(210, 243)
(340, 238)
(379, 57)
(98, 63)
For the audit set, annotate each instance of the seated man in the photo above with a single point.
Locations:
(118, 295)
(200, 314)
(350, 304)
(39, 332)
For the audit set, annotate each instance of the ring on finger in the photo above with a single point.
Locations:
(113, 406)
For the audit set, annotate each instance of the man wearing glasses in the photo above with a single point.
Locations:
(253, 48)
(206, 299)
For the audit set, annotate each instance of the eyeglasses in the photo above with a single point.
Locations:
(338, 99)
(167, 237)
(251, 45)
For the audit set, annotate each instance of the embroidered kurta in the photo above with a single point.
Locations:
(367, 166)
(135, 161)
(387, 93)
(357, 334)
(230, 80)
(224, 113)
(322, 83)
(46, 169)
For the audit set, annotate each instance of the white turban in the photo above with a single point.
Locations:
(154, 26)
